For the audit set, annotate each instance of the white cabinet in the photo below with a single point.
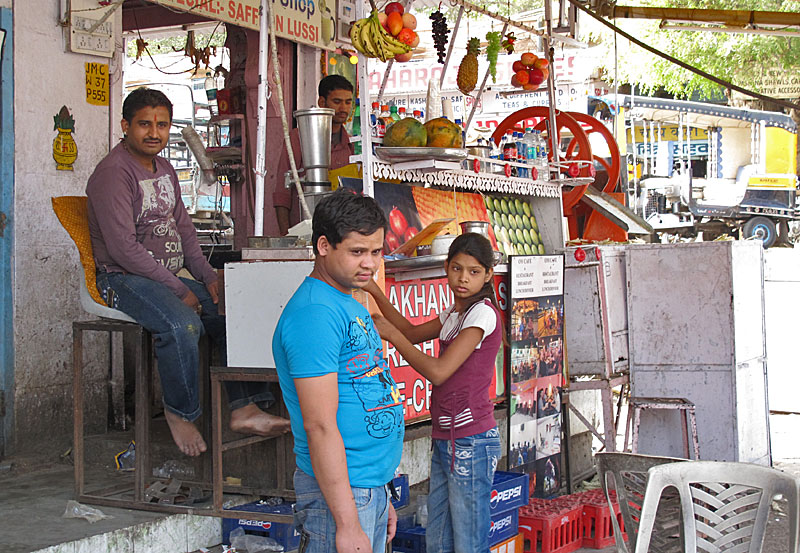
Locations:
(696, 320)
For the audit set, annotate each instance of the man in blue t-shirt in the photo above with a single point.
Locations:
(344, 406)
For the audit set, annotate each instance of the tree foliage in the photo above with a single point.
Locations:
(743, 59)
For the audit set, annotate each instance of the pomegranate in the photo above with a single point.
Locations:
(392, 243)
(397, 222)
(409, 234)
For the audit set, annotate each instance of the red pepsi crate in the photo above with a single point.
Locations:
(282, 532)
(550, 527)
(596, 516)
(509, 491)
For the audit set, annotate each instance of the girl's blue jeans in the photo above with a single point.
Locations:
(458, 501)
(177, 330)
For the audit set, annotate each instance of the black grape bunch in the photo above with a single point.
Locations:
(439, 31)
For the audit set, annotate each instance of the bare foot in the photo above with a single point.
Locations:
(186, 436)
(252, 420)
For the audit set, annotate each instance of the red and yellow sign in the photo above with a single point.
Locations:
(309, 22)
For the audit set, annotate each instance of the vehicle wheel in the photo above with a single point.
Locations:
(762, 229)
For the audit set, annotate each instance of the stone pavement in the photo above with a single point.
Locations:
(32, 504)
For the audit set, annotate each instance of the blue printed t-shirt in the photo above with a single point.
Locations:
(323, 330)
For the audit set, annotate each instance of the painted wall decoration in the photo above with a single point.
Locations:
(65, 150)
(536, 331)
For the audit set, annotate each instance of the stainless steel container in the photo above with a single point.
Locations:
(314, 125)
(481, 227)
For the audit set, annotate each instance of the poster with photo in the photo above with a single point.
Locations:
(536, 369)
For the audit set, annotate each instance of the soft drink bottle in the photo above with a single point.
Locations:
(378, 130)
(510, 150)
(356, 130)
(522, 155)
(386, 117)
(418, 116)
(401, 112)
(393, 113)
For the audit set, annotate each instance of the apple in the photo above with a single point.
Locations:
(523, 77)
(394, 22)
(406, 35)
(403, 57)
(541, 63)
(394, 7)
(517, 66)
(528, 59)
(514, 81)
(382, 20)
(545, 71)
(409, 21)
(537, 76)
(415, 41)
(530, 86)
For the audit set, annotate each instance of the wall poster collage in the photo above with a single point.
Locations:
(536, 331)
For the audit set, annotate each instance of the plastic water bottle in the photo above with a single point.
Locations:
(496, 153)
(401, 112)
(418, 116)
(541, 157)
(531, 150)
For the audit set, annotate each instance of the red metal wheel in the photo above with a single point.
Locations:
(613, 169)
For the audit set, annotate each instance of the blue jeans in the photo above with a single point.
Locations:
(458, 501)
(314, 521)
(177, 330)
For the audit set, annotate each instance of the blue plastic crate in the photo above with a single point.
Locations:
(409, 540)
(403, 492)
(503, 526)
(509, 491)
(282, 532)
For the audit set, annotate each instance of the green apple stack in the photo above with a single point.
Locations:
(514, 226)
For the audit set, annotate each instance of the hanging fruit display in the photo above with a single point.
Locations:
(377, 39)
(508, 43)
(439, 32)
(468, 69)
(492, 49)
(529, 71)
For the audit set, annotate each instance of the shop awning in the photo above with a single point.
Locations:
(701, 114)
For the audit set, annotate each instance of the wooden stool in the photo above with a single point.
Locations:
(637, 404)
(240, 374)
(138, 343)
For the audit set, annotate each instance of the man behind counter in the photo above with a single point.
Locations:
(336, 93)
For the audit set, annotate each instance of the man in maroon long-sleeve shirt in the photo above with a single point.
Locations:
(336, 93)
(150, 266)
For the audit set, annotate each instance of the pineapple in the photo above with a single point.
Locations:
(468, 70)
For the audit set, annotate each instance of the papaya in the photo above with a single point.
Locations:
(406, 133)
(443, 133)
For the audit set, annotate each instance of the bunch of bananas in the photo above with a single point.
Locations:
(371, 39)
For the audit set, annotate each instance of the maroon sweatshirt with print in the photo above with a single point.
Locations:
(139, 225)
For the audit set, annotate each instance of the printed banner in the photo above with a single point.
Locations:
(309, 22)
(536, 329)
(419, 301)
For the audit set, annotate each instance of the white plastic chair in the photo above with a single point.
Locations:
(628, 474)
(724, 506)
(94, 308)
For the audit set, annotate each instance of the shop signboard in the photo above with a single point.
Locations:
(310, 22)
(535, 375)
